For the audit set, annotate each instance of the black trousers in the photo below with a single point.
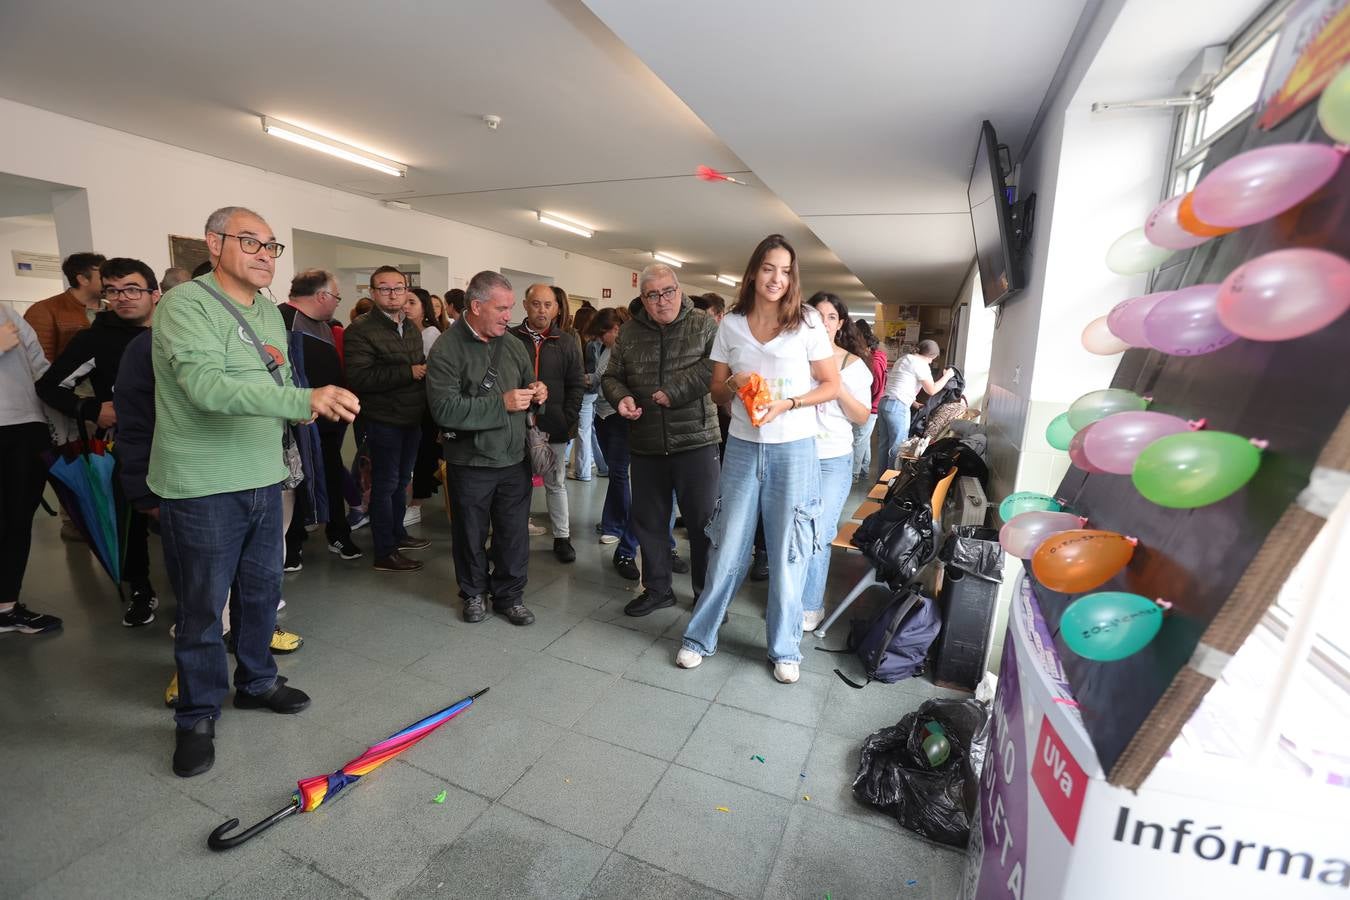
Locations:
(337, 528)
(136, 560)
(21, 479)
(693, 477)
(479, 497)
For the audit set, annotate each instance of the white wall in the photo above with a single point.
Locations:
(172, 190)
(975, 342)
(36, 234)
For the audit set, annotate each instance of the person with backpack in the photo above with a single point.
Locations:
(911, 372)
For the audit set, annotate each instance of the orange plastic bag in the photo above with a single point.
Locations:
(755, 395)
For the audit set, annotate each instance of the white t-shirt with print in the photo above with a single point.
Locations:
(785, 365)
(908, 373)
(835, 432)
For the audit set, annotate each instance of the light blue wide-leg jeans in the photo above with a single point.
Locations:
(835, 482)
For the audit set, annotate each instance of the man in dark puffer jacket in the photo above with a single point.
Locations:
(658, 378)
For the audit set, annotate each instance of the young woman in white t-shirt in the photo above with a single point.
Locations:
(910, 372)
(770, 469)
(834, 442)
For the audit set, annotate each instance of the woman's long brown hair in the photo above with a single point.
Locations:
(790, 307)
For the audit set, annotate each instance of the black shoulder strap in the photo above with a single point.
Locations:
(272, 366)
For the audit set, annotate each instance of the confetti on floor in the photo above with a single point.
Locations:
(758, 757)
(440, 798)
(723, 809)
(806, 797)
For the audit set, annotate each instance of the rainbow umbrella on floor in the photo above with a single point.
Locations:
(314, 792)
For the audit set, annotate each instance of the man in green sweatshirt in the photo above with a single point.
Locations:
(217, 464)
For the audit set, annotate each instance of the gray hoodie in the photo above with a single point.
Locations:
(19, 368)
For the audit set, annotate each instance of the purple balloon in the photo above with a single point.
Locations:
(1187, 323)
(1024, 533)
(1076, 454)
(1115, 442)
(1126, 318)
(1163, 229)
(1262, 183)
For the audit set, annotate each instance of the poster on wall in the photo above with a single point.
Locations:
(187, 252)
(29, 264)
(1313, 45)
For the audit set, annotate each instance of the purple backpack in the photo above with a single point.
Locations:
(894, 644)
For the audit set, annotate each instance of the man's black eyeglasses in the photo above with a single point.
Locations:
(668, 293)
(131, 293)
(251, 245)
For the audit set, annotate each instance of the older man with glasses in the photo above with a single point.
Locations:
(223, 396)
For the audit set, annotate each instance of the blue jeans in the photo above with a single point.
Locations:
(613, 433)
(892, 429)
(862, 446)
(835, 482)
(210, 544)
(582, 455)
(393, 451)
(781, 482)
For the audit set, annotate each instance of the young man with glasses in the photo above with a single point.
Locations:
(310, 313)
(386, 367)
(217, 465)
(130, 291)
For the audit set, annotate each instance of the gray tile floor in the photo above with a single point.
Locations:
(593, 768)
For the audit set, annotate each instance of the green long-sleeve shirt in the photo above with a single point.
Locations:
(219, 414)
(487, 435)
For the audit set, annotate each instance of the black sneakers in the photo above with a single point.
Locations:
(759, 566)
(518, 615)
(293, 562)
(562, 548)
(195, 750)
(25, 621)
(141, 608)
(345, 549)
(475, 610)
(278, 698)
(627, 567)
(678, 565)
(648, 602)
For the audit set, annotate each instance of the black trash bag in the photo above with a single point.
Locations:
(974, 550)
(937, 802)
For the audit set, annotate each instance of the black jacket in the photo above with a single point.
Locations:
(103, 344)
(672, 358)
(557, 363)
(134, 400)
(379, 369)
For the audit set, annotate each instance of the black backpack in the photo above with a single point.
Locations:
(952, 391)
(894, 645)
(899, 539)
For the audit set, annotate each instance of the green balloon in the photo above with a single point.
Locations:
(1059, 432)
(1197, 468)
(936, 747)
(1099, 404)
(1110, 625)
(1026, 501)
(1333, 110)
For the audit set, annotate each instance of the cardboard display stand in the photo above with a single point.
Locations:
(1049, 826)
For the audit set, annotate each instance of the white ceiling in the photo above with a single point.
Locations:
(861, 118)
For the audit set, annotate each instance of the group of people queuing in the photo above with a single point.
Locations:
(229, 416)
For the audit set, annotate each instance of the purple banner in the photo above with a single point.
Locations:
(998, 847)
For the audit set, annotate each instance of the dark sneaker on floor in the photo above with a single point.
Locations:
(396, 562)
(627, 567)
(648, 602)
(475, 610)
(278, 698)
(518, 615)
(357, 518)
(293, 562)
(678, 565)
(25, 621)
(408, 542)
(562, 548)
(195, 750)
(759, 567)
(345, 549)
(141, 608)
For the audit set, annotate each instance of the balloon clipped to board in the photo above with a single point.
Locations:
(1020, 502)
(1111, 625)
(1081, 559)
(1025, 532)
(1194, 469)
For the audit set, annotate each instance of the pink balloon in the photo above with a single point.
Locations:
(1285, 294)
(1262, 183)
(1116, 441)
(1187, 323)
(1076, 454)
(1163, 229)
(1126, 318)
(1024, 533)
(1098, 339)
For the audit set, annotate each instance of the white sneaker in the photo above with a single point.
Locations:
(412, 516)
(609, 538)
(281, 604)
(537, 530)
(787, 672)
(811, 619)
(688, 659)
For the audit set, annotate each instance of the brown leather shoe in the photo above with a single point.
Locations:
(396, 562)
(518, 615)
(413, 543)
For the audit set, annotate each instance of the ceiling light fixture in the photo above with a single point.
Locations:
(667, 259)
(728, 280)
(305, 138)
(557, 221)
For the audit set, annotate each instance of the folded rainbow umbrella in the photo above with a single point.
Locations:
(314, 792)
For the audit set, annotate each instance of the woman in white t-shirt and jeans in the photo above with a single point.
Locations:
(770, 469)
(834, 442)
(910, 372)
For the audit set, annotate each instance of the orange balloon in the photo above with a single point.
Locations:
(1080, 560)
(1188, 220)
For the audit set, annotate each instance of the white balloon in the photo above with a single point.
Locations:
(1132, 254)
(1099, 339)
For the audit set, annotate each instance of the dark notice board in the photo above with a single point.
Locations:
(1292, 393)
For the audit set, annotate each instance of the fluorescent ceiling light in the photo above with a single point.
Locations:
(728, 280)
(667, 259)
(557, 221)
(304, 138)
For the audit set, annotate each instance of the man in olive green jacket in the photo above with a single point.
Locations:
(658, 378)
(481, 384)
